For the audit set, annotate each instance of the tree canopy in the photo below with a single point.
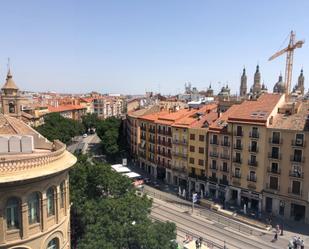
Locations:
(110, 132)
(90, 120)
(57, 127)
(106, 212)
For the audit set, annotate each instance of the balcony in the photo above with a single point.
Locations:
(273, 140)
(179, 169)
(253, 149)
(201, 177)
(152, 130)
(178, 154)
(224, 156)
(180, 142)
(251, 185)
(272, 188)
(238, 146)
(143, 128)
(214, 142)
(223, 182)
(225, 143)
(213, 154)
(237, 160)
(297, 192)
(151, 140)
(299, 143)
(273, 171)
(255, 135)
(226, 170)
(213, 167)
(274, 156)
(296, 174)
(252, 163)
(251, 178)
(213, 179)
(297, 159)
(236, 180)
(238, 133)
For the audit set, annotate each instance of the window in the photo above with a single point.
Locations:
(237, 172)
(274, 167)
(201, 138)
(13, 213)
(296, 187)
(297, 155)
(255, 132)
(276, 137)
(53, 244)
(239, 131)
(213, 164)
(11, 108)
(214, 139)
(226, 141)
(192, 148)
(201, 150)
(252, 176)
(50, 201)
(62, 194)
(224, 166)
(273, 182)
(253, 159)
(34, 208)
(192, 136)
(201, 162)
(299, 139)
(238, 144)
(237, 158)
(275, 152)
(191, 160)
(253, 147)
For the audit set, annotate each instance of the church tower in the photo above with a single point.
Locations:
(243, 84)
(10, 97)
(301, 83)
(257, 81)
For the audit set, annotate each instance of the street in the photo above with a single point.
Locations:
(197, 225)
(91, 142)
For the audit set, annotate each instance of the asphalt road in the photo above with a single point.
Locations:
(91, 143)
(210, 230)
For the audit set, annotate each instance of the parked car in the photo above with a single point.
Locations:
(85, 135)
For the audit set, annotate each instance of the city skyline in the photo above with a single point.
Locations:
(135, 47)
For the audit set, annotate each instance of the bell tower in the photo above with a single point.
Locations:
(10, 97)
(243, 84)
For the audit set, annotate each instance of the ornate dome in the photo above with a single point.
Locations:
(279, 86)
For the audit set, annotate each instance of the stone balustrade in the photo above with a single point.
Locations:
(30, 162)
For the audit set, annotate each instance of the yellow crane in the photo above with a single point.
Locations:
(289, 50)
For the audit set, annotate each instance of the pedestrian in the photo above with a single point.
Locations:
(276, 236)
(302, 244)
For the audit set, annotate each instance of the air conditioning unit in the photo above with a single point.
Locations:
(299, 141)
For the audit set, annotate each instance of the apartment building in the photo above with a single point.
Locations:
(220, 157)
(286, 187)
(165, 140)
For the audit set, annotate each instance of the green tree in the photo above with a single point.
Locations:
(90, 121)
(57, 127)
(110, 131)
(106, 212)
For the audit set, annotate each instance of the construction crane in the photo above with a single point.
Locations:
(289, 50)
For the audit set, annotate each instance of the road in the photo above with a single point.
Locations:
(199, 226)
(92, 142)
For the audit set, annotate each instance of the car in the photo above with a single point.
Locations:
(147, 180)
(85, 135)
(156, 185)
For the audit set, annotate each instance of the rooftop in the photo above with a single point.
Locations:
(298, 121)
(256, 111)
(63, 108)
(25, 154)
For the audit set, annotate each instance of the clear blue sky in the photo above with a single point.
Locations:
(131, 46)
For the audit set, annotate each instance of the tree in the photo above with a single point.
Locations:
(110, 131)
(90, 121)
(106, 212)
(57, 127)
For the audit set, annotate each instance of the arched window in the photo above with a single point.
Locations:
(50, 201)
(13, 213)
(11, 108)
(34, 208)
(53, 244)
(62, 195)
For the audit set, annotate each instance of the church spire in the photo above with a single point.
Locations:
(243, 83)
(257, 80)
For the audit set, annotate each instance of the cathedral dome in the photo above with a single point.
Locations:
(279, 86)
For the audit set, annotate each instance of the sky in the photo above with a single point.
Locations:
(133, 46)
